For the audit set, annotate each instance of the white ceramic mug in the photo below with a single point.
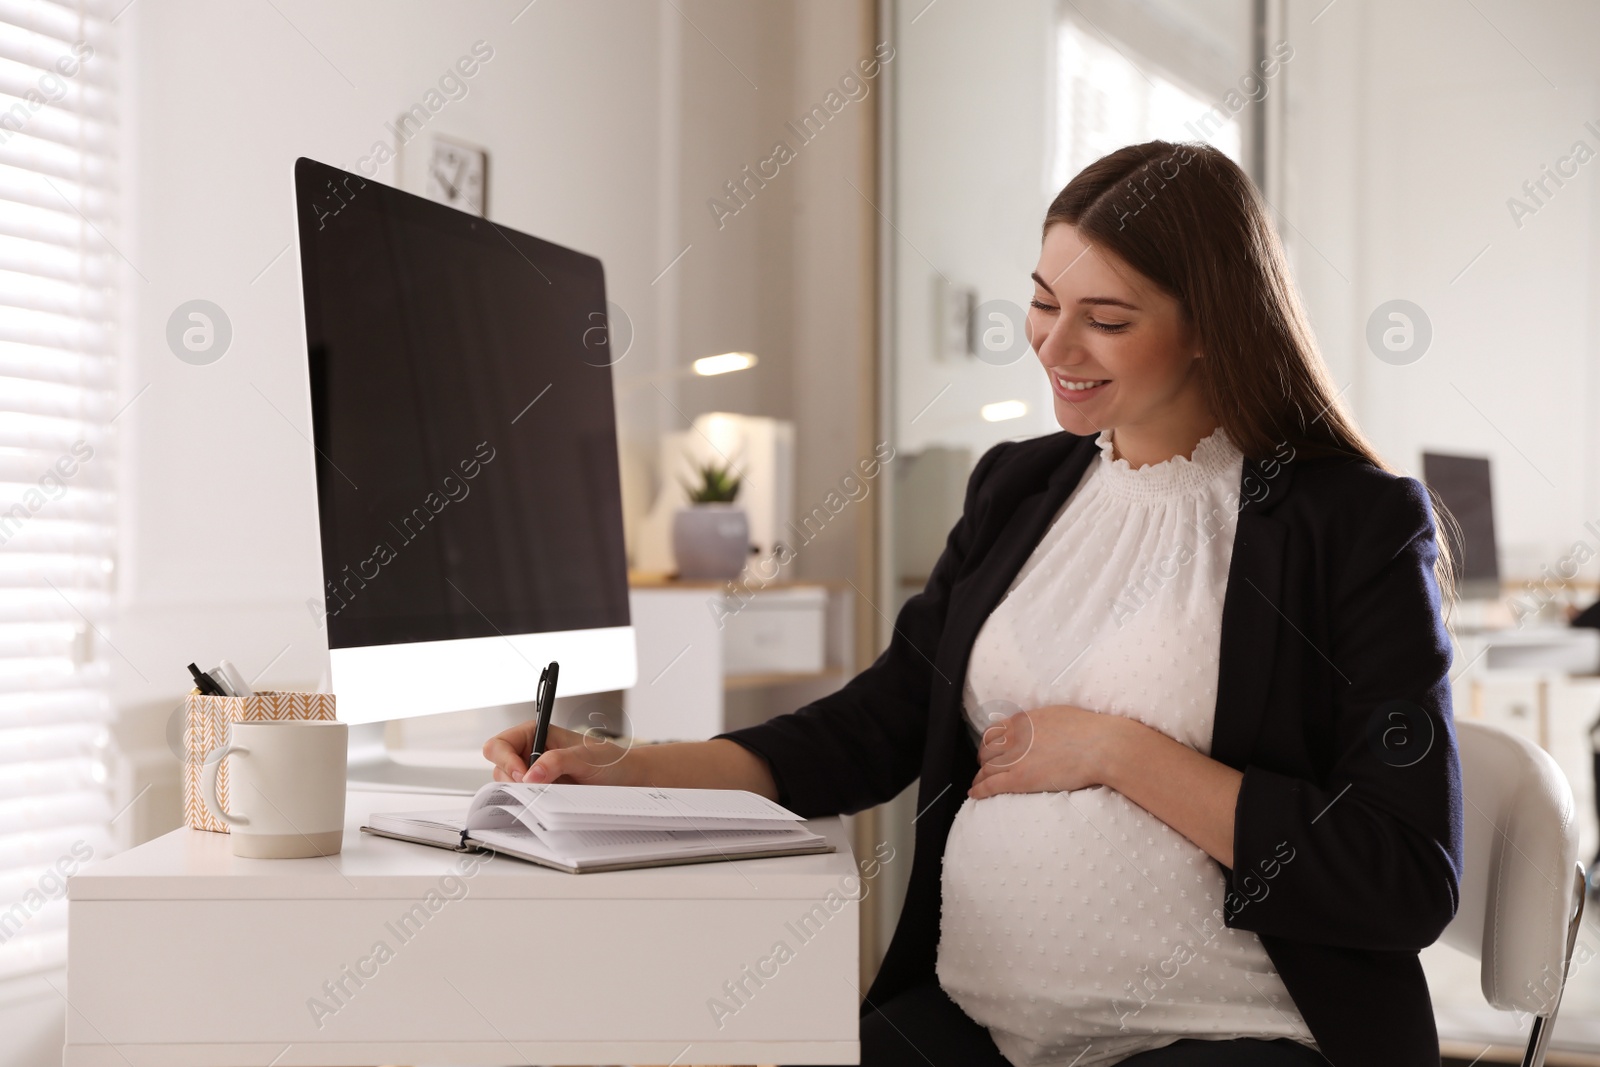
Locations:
(287, 787)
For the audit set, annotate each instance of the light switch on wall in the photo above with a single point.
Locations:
(954, 306)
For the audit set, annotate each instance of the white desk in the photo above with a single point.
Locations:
(180, 955)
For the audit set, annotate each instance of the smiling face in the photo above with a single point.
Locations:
(1117, 350)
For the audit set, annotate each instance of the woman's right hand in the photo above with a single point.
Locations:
(569, 756)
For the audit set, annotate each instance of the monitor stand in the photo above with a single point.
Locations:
(373, 768)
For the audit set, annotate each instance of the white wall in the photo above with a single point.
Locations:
(1410, 126)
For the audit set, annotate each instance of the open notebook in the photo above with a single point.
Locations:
(579, 828)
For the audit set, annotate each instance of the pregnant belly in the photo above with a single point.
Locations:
(1079, 915)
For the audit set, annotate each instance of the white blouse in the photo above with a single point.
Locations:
(1076, 926)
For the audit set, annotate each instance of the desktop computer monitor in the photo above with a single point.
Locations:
(1462, 483)
(468, 491)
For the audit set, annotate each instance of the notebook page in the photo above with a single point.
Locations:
(439, 827)
(497, 805)
(578, 847)
(452, 820)
(561, 807)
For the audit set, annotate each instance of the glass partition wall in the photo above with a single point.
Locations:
(992, 109)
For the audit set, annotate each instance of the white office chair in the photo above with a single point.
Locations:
(1521, 901)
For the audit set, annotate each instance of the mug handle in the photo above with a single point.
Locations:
(213, 804)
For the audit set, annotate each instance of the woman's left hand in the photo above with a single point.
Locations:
(1050, 749)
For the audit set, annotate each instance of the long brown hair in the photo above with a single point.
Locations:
(1190, 220)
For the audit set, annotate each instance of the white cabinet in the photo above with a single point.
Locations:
(696, 642)
(679, 692)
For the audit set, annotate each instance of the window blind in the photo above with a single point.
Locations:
(58, 300)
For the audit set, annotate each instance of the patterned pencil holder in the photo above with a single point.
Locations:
(205, 730)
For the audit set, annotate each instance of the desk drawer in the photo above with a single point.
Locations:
(779, 630)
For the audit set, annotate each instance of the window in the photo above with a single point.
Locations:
(1105, 101)
(58, 275)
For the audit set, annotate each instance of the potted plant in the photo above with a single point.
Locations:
(711, 537)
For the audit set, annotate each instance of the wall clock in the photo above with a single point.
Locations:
(458, 175)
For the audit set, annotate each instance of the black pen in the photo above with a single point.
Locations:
(205, 683)
(547, 702)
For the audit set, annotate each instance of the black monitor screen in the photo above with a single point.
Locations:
(1462, 483)
(466, 450)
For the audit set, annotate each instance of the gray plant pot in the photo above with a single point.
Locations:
(710, 540)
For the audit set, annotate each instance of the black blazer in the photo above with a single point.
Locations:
(1333, 699)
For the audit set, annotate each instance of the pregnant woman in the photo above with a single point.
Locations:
(1176, 691)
